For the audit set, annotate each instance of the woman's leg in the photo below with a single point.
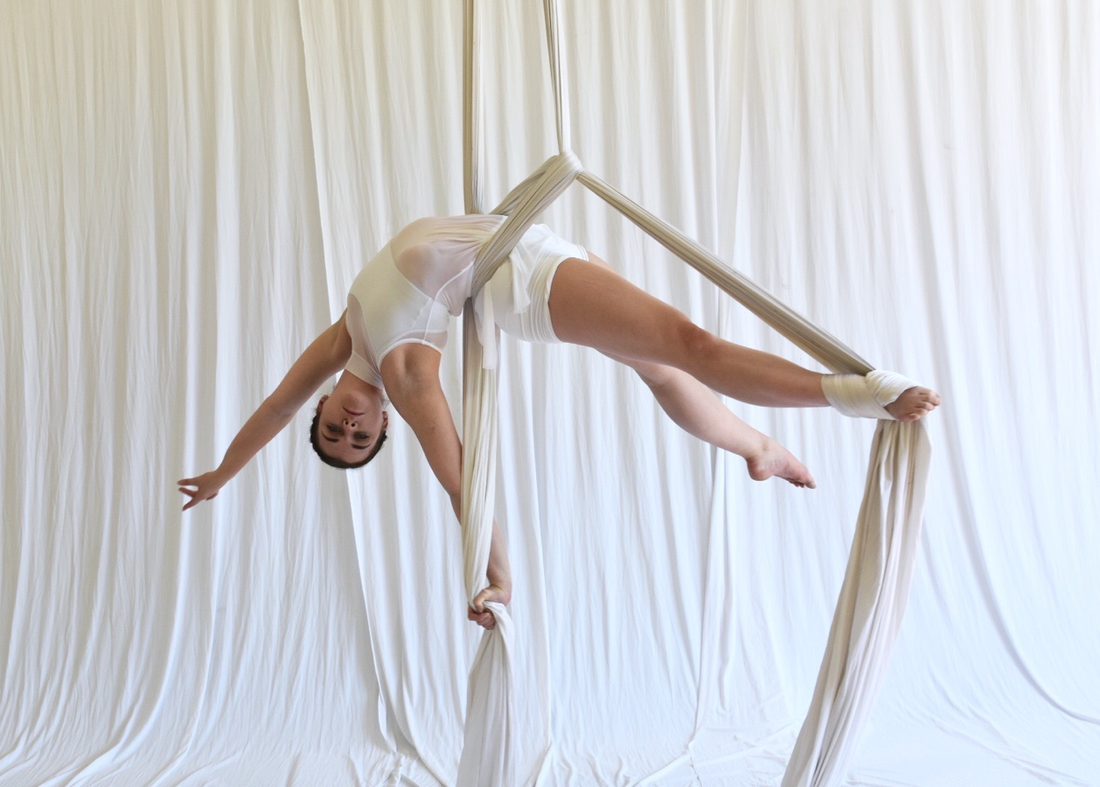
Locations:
(593, 306)
(695, 409)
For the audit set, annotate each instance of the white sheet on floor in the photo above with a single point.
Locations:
(186, 192)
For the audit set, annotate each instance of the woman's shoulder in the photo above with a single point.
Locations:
(410, 366)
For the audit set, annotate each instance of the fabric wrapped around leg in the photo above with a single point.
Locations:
(860, 396)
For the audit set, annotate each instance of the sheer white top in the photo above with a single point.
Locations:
(407, 293)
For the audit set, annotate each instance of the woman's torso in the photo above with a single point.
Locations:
(407, 293)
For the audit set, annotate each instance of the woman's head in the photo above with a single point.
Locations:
(349, 426)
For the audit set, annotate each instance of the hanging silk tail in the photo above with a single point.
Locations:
(871, 606)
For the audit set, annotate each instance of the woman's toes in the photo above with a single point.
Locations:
(914, 403)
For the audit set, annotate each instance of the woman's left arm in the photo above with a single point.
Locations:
(420, 400)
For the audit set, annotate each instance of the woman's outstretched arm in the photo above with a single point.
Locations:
(324, 357)
(420, 400)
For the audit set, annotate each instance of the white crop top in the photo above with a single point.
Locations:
(407, 293)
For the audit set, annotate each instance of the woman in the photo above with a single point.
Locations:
(388, 343)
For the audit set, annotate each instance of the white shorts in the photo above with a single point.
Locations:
(521, 286)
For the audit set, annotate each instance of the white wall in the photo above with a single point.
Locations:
(187, 190)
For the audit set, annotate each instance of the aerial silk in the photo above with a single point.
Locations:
(884, 549)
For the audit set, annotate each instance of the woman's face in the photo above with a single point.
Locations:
(349, 424)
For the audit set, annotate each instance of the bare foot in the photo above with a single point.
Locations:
(775, 460)
(914, 403)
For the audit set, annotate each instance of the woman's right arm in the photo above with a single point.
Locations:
(324, 357)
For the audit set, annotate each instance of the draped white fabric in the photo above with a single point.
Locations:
(186, 192)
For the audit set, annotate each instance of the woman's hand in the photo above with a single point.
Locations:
(206, 486)
(477, 611)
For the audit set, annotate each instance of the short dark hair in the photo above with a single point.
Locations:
(315, 441)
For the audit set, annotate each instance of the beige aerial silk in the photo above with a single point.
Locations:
(876, 583)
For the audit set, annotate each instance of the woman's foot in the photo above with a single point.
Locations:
(774, 460)
(914, 403)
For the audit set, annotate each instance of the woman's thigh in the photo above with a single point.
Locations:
(593, 306)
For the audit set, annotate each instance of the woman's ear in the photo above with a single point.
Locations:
(321, 403)
(385, 418)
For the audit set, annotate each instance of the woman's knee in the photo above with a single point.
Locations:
(691, 343)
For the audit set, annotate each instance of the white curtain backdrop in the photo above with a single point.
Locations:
(188, 187)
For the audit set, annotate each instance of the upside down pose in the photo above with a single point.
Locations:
(388, 345)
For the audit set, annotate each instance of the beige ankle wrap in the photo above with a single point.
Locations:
(865, 397)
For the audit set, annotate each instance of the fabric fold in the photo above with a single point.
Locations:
(487, 747)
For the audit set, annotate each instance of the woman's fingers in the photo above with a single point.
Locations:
(199, 488)
(477, 611)
(483, 619)
(194, 502)
(197, 496)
